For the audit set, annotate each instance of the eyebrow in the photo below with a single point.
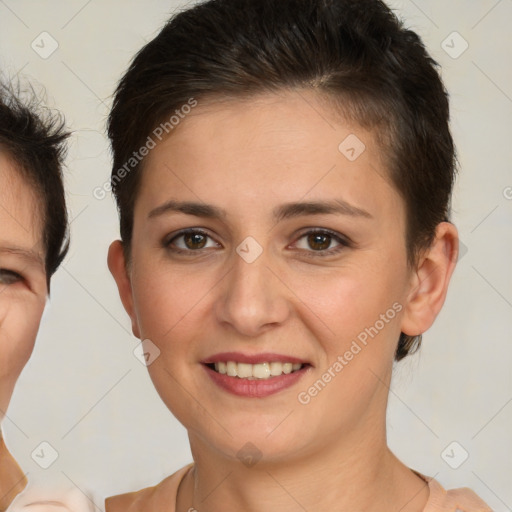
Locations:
(26, 254)
(285, 211)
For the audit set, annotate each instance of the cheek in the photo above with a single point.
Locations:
(166, 298)
(19, 324)
(344, 302)
(363, 307)
(336, 304)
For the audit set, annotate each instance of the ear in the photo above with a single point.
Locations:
(429, 282)
(119, 269)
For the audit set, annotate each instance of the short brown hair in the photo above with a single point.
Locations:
(355, 53)
(34, 138)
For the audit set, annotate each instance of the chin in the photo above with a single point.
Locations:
(238, 441)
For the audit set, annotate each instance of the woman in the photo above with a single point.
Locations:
(283, 172)
(33, 243)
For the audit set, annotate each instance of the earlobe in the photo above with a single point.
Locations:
(429, 283)
(118, 269)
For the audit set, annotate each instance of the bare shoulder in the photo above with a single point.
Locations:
(157, 498)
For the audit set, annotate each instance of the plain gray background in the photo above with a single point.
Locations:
(86, 394)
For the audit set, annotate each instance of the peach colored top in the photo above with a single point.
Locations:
(454, 500)
(163, 497)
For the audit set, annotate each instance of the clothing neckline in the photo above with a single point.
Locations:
(186, 470)
(433, 485)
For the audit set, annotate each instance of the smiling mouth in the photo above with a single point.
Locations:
(260, 371)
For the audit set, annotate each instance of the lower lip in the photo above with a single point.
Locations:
(258, 388)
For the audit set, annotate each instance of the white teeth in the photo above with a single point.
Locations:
(260, 371)
(256, 371)
(244, 370)
(276, 369)
(231, 369)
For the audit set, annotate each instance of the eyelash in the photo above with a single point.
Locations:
(342, 241)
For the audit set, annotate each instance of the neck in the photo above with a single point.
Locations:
(12, 478)
(345, 473)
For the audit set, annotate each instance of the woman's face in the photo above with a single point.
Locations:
(22, 276)
(294, 252)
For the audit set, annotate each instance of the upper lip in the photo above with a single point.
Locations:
(239, 357)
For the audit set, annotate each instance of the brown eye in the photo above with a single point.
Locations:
(194, 240)
(319, 241)
(190, 241)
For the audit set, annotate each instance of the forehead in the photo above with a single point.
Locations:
(277, 146)
(21, 224)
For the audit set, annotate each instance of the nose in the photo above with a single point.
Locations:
(252, 298)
